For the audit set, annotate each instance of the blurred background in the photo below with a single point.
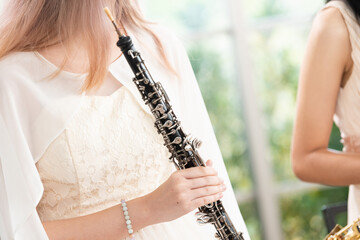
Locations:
(246, 55)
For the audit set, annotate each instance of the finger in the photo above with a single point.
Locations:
(197, 172)
(205, 181)
(206, 200)
(209, 163)
(207, 191)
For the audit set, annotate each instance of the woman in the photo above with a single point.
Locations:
(329, 89)
(79, 153)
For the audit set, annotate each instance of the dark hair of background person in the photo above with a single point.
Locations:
(354, 5)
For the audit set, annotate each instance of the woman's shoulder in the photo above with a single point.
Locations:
(16, 63)
(338, 13)
(329, 24)
(330, 19)
(17, 67)
(341, 5)
(17, 58)
(330, 37)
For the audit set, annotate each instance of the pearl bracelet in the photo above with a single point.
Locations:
(127, 219)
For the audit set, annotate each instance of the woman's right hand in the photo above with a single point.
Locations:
(184, 191)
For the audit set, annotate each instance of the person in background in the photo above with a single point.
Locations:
(79, 155)
(329, 90)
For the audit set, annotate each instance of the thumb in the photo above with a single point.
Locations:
(209, 163)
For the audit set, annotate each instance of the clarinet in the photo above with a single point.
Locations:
(183, 149)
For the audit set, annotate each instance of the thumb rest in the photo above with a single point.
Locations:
(350, 232)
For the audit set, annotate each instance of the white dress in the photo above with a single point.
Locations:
(347, 114)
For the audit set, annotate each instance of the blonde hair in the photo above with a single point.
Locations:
(37, 24)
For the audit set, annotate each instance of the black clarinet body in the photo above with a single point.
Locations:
(183, 149)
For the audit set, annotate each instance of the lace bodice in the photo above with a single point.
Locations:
(109, 151)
